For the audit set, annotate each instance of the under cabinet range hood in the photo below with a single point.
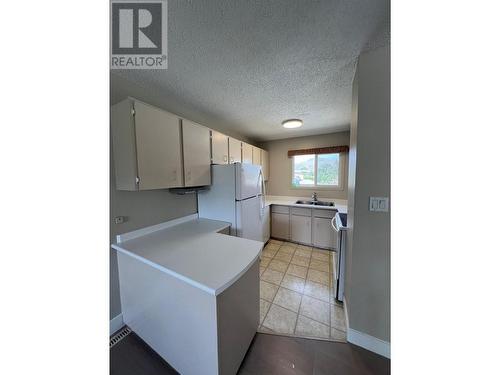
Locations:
(188, 190)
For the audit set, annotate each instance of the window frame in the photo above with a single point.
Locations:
(340, 185)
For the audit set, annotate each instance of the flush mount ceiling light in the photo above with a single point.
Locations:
(292, 123)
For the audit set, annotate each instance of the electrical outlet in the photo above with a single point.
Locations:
(383, 204)
(119, 219)
(379, 204)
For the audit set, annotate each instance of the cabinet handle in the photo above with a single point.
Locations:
(225, 158)
(174, 177)
(189, 175)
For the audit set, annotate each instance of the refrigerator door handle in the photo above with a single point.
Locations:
(259, 182)
(263, 184)
(262, 206)
(262, 194)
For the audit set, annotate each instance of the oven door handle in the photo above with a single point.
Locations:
(335, 224)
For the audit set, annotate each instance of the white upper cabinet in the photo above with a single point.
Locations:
(196, 149)
(220, 148)
(256, 155)
(265, 164)
(155, 149)
(158, 141)
(246, 153)
(234, 150)
(146, 147)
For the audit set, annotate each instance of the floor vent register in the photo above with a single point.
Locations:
(117, 337)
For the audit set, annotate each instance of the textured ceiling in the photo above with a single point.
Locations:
(249, 65)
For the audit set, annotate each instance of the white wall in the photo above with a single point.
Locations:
(141, 209)
(280, 165)
(368, 262)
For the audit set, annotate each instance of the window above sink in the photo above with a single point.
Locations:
(317, 171)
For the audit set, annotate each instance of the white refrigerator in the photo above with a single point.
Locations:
(236, 196)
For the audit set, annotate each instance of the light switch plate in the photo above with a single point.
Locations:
(379, 204)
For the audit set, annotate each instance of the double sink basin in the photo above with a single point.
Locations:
(316, 203)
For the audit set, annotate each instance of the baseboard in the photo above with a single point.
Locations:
(368, 342)
(115, 324)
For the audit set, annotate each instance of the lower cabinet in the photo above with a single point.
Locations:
(323, 234)
(303, 225)
(280, 227)
(300, 229)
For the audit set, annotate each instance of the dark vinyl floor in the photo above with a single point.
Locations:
(268, 354)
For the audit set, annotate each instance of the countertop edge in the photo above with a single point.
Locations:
(188, 280)
(165, 270)
(241, 273)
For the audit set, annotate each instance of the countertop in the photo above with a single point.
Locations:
(340, 204)
(194, 252)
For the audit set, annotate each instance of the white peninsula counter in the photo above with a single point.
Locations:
(191, 292)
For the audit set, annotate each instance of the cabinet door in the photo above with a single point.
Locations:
(234, 150)
(301, 229)
(196, 146)
(265, 164)
(323, 234)
(220, 148)
(246, 153)
(280, 225)
(256, 156)
(158, 144)
(124, 151)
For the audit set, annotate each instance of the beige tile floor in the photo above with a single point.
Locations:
(296, 293)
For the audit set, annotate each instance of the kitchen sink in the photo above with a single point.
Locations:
(304, 202)
(316, 203)
(321, 203)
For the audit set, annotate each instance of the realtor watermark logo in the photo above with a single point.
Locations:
(139, 34)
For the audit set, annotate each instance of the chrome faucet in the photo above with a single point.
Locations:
(314, 197)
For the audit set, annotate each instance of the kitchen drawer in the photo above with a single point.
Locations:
(280, 209)
(301, 211)
(324, 213)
